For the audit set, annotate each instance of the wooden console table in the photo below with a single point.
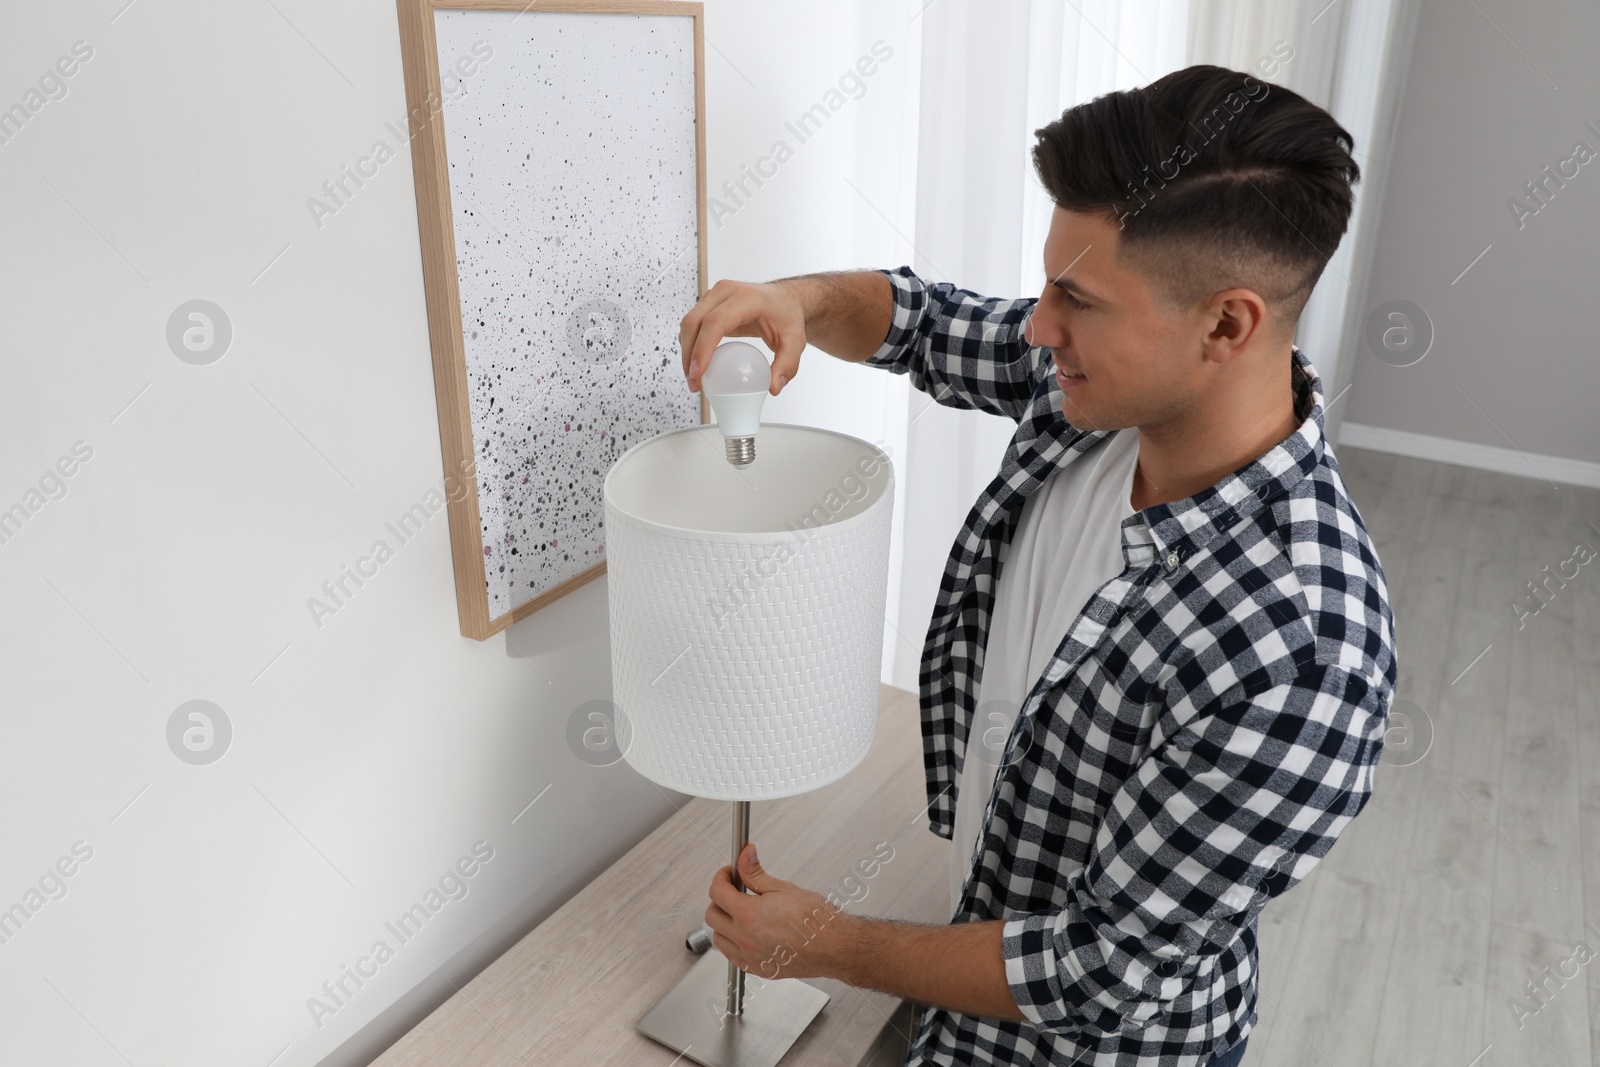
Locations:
(570, 991)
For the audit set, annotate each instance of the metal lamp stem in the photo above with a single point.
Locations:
(741, 835)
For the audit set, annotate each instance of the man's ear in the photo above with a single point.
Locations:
(1238, 317)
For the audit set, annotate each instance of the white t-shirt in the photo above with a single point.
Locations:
(1067, 544)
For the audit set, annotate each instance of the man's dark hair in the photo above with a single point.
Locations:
(1218, 180)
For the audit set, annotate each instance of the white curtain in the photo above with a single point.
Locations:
(972, 211)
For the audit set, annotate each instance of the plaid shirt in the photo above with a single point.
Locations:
(1207, 727)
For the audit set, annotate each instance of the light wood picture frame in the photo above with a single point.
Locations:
(554, 282)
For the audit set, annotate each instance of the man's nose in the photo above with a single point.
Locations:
(1027, 330)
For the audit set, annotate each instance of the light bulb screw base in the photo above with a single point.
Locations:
(741, 450)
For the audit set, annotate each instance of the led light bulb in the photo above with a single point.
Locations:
(735, 383)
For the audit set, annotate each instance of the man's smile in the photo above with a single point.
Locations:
(1067, 378)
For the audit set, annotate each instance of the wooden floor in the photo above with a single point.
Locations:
(1473, 871)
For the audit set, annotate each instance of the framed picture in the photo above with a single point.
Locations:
(559, 156)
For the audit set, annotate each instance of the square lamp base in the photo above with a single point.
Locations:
(691, 1017)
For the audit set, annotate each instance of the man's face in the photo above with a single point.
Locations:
(1129, 361)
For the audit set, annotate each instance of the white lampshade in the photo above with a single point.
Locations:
(747, 608)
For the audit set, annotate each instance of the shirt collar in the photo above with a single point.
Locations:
(1179, 529)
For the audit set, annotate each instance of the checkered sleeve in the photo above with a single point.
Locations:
(1234, 809)
(963, 350)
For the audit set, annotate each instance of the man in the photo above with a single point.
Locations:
(1165, 602)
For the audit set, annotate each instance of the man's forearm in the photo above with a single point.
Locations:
(847, 312)
(958, 967)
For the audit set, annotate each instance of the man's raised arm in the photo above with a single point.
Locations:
(844, 313)
(961, 349)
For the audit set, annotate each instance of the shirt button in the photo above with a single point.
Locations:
(1172, 559)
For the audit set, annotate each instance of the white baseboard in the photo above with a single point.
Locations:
(1468, 454)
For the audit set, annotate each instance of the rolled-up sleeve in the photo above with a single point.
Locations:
(1234, 809)
(961, 349)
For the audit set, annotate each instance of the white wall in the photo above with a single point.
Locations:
(370, 753)
(1512, 372)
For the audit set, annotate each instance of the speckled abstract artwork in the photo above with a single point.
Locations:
(573, 193)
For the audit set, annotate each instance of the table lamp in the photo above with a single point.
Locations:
(746, 601)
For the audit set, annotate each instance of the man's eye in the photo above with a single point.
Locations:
(1075, 302)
